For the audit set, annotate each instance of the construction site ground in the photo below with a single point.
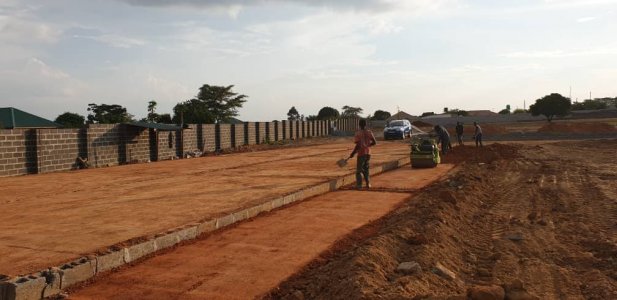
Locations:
(533, 220)
(50, 219)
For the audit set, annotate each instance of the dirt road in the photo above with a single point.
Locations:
(531, 221)
(50, 219)
(252, 258)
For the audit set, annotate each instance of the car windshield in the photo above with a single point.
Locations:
(397, 124)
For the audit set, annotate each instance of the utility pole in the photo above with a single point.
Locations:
(570, 93)
(589, 95)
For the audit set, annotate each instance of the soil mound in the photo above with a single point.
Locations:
(578, 128)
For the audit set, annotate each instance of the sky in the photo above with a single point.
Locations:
(410, 55)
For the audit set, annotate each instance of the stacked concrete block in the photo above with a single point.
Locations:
(208, 136)
(58, 149)
(238, 134)
(225, 136)
(292, 130)
(278, 130)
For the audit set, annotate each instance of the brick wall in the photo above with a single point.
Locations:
(261, 132)
(208, 137)
(58, 149)
(102, 144)
(238, 133)
(166, 143)
(17, 152)
(189, 139)
(225, 136)
(250, 132)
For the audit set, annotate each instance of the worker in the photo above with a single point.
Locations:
(459, 133)
(478, 134)
(444, 138)
(364, 139)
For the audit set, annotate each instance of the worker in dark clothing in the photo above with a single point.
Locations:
(444, 138)
(459, 133)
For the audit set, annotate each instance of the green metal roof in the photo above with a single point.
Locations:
(11, 118)
(157, 126)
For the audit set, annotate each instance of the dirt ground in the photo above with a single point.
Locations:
(250, 259)
(50, 219)
(528, 221)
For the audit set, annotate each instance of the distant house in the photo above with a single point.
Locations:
(481, 113)
(401, 115)
(13, 118)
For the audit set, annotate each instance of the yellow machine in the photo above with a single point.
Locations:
(424, 152)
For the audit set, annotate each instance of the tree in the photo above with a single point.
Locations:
(193, 111)
(213, 104)
(519, 111)
(328, 113)
(164, 118)
(152, 115)
(445, 110)
(589, 105)
(108, 114)
(350, 111)
(312, 118)
(458, 112)
(381, 115)
(71, 120)
(550, 106)
(292, 114)
(504, 111)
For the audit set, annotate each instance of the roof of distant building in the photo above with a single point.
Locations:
(12, 118)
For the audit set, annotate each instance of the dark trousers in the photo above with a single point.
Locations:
(362, 169)
(459, 138)
(445, 146)
(478, 139)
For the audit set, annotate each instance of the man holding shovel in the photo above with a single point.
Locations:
(364, 139)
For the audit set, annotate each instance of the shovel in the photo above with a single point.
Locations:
(342, 162)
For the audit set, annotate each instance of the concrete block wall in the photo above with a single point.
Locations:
(225, 136)
(269, 131)
(166, 145)
(292, 130)
(238, 135)
(189, 139)
(249, 130)
(261, 132)
(285, 130)
(103, 143)
(58, 149)
(208, 137)
(136, 144)
(277, 130)
(17, 152)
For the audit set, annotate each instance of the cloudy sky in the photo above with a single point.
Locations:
(415, 55)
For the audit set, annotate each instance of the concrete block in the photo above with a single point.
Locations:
(140, 250)
(53, 278)
(23, 288)
(166, 240)
(276, 203)
(266, 206)
(77, 271)
(206, 226)
(254, 211)
(109, 260)
(188, 233)
(241, 215)
(225, 221)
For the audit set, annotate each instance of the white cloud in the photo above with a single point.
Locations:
(114, 40)
(585, 19)
(562, 53)
(22, 30)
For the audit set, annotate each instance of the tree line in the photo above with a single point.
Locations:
(211, 105)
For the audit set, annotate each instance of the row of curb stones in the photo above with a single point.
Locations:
(53, 280)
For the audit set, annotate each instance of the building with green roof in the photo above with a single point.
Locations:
(13, 118)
